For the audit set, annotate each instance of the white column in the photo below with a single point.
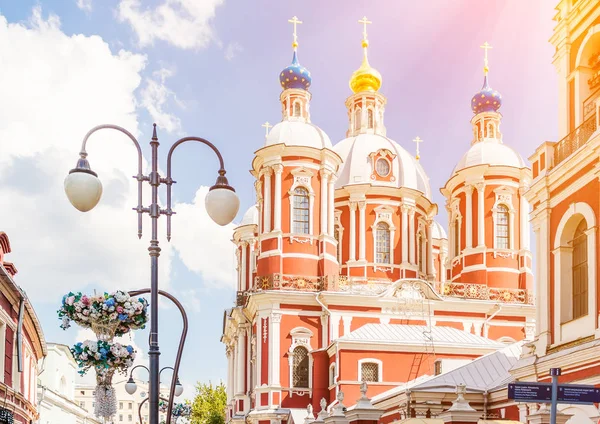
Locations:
(469, 216)
(240, 371)
(404, 209)
(277, 198)
(335, 326)
(480, 215)
(542, 275)
(274, 359)
(324, 192)
(523, 220)
(324, 330)
(412, 236)
(352, 241)
(251, 266)
(331, 206)
(259, 362)
(347, 322)
(229, 352)
(267, 203)
(442, 266)
(248, 364)
(430, 270)
(244, 282)
(363, 228)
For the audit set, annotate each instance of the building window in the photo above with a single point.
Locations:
(382, 244)
(130, 405)
(421, 256)
(332, 375)
(120, 417)
(297, 109)
(120, 405)
(82, 392)
(129, 418)
(369, 118)
(456, 238)
(382, 167)
(301, 210)
(369, 372)
(300, 367)
(580, 271)
(357, 114)
(437, 367)
(502, 230)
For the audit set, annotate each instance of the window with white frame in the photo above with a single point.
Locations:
(357, 114)
(332, 375)
(382, 243)
(297, 109)
(301, 207)
(580, 271)
(369, 370)
(502, 227)
(370, 123)
(300, 367)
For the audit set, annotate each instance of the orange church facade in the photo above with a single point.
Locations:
(345, 277)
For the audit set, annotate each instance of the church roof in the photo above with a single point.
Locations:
(484, 373)
(491, 153)
(417, 334)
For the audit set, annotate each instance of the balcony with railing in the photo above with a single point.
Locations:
(574, 140)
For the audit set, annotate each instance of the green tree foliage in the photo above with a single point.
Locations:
(209, 404)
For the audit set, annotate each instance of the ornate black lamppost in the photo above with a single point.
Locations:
(83, 188)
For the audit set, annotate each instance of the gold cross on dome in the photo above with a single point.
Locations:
(267, 126)
(417, 141)
(364, 21)
(295, 21)
(485, 48)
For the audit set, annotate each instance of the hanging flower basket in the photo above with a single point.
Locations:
(108, 315)
(179, 409)
(106, 358)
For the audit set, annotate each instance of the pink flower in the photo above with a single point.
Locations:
(85, 300)
(70, 300)
(119, 309)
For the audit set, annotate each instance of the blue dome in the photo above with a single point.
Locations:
(295, 76)
(486, 100)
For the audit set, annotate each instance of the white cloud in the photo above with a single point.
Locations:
(154, 97)
(232, 50)
(59, 87)
(183, 23)
(85, 5)
(204, 247)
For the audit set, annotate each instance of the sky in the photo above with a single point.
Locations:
(209, 68)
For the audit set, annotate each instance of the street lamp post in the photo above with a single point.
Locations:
(84, 189)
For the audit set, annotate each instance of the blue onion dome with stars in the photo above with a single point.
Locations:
(295, 75)
(487, 99)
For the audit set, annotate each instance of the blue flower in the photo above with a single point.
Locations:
(123, 317)
(109, 302)
(129, 349)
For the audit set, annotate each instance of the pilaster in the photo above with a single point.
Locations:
(278, 170)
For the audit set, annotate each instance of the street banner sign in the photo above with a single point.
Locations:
(530, 392)
(573, 393)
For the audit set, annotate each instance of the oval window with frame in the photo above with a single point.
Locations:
(382, 167)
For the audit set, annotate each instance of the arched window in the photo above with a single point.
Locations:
(297, 109)
(300, 215)
(332, 375)
(580, 271)
(420, 255)
(357, 114)
(369, 118)
(300, 367)
(382, 243)
(502, 231)
(336, 235)
(456, 238)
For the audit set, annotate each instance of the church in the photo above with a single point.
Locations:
(347, 283)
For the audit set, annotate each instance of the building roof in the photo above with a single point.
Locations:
(298, 133)
(416, 334)
(491, 152)
(487, 372)
(357, 166)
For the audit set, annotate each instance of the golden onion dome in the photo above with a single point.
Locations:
(365, 78)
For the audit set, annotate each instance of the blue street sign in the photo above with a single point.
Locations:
(530, 392)
(572, 393)
(542, 392)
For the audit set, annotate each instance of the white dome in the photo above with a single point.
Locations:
(357, 168)
(250, 217)
(490, 153)
(438, 232)
(298, 133)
